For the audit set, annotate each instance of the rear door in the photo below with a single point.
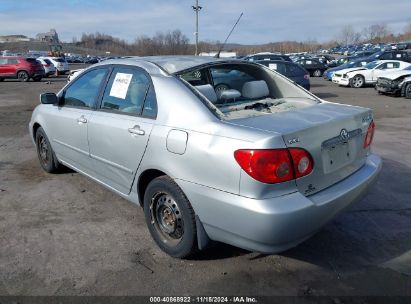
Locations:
(119, 130)
(68, 122)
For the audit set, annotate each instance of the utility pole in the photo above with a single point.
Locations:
(196, 8)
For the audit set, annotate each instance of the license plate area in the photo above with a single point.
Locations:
(337, 154)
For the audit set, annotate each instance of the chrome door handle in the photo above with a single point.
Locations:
(136, 130)
(81, 119)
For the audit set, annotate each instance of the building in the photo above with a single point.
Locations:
(49, 37)
(13, 38)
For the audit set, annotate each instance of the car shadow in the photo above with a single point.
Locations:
(371, 232)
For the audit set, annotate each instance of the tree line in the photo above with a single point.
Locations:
(176, 43)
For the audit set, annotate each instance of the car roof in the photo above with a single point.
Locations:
(170, 64)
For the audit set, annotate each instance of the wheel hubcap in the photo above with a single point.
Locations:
(166, 218)
(357, 81)
(43, 149)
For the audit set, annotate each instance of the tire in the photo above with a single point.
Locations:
(170, 218)
(407, 92)
(37, 78)
(357, 81)
(23, 76)
(45, 153)
(221, 87)
(1, 79)
(317, 73)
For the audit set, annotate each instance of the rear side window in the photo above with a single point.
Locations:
(12, 61)
(31, 60)
(3, 61)
(84, 90)
(126, 91)
(295, 70)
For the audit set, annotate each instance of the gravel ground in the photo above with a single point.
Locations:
(66, 235)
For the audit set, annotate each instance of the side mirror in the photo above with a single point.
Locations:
(48, 98)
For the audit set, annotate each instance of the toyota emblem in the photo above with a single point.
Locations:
(344, 134)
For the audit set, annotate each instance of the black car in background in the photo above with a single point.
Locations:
(313, 66)
(392, 55)
(290, 70)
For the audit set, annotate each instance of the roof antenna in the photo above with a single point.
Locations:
(225, 41)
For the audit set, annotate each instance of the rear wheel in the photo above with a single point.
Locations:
(1, 79)
(317, 73)
(23, 76)
(45, 153)
(357, 81)
(408, 91)
(170, 218)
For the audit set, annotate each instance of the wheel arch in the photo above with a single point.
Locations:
(144, 179)
(36, 125)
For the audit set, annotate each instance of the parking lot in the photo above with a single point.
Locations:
(64, 234)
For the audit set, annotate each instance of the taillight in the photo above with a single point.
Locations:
(370, 135)
(302, 161)
(307, 76)
(275, 166)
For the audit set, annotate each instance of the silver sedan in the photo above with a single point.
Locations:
(259, 162)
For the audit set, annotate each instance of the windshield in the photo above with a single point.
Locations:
(408, 68)
(371, 65)
(242, 89)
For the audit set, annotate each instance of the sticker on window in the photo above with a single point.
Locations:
(272, 66)
(308, 62)
(390, 65)
(120, 85)
(398, 55)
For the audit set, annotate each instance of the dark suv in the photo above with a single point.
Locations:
(21, 68)
(391, 55)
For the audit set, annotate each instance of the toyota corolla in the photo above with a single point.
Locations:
(261, 164)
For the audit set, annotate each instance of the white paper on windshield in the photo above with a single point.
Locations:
(120, 85)
(398, 55)
(309, 62)
(390, 65)
(272, 66)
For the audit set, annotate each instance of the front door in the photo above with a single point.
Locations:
(119, 130)
(68, 123)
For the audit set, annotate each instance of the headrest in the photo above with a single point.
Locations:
(208, 91)
(255, 89)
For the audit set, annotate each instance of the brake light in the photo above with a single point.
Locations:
(370, 135)
(275, 166)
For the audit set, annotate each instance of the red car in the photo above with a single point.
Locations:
(21, 68)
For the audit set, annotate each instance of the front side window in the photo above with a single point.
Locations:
(12, 61)
(126, 91)
(84, 90)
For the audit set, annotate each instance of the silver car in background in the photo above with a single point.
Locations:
(260, 163)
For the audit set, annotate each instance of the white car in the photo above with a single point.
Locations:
(49, 68)
(73, 74)
(358, 77)
(60, 63)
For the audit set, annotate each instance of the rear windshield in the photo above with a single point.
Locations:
(47, 61)
(242, 90)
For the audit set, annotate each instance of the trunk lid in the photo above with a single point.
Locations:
(332, 133)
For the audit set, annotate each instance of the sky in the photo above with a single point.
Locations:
(263, 20)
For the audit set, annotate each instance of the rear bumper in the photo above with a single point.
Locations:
(276, 224)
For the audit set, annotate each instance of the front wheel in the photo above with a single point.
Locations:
(317, 73)
(170, 218)
(357, 81)
(408, 91)
(45, 153)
